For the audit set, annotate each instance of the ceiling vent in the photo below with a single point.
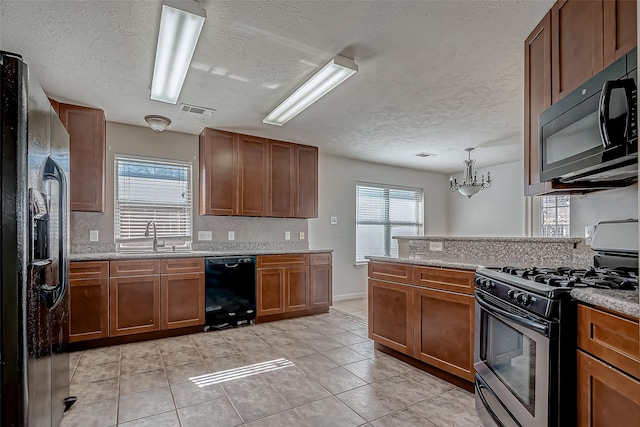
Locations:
(425, 155)
(193, 109)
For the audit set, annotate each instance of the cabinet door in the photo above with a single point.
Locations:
(306, 200)
(87, 156)
(218, 172)
(537, 98)
(281, 179)
(182, 297)
(297, 289)
(134, 305)
(321, 286)
(391, 315)
(619, 28)
(253, 174)
(606, 396)
(577, 43)
(443, 330)
(88, 309)
(270, 291)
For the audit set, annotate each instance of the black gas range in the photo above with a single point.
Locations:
(525, 331)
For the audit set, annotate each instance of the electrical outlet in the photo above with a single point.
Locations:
(334, 220)
(231, 235)
(93, 235)
(302, 235)
(435, 246)
(588, 234)
(287, 235)
(204, 235)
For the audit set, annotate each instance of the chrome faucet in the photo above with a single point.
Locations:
(155, 236)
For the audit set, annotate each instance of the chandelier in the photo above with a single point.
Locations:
(470, 185)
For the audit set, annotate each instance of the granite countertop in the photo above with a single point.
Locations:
(108, 256)
(625, 302)
(444, 261)
(573, 240)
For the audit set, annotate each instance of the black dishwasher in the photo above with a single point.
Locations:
(230, 285)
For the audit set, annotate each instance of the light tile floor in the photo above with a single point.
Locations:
(311, 371)
(357, 307)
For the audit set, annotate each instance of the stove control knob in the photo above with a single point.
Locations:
(512, 294)
(523, 299)
(478, 281)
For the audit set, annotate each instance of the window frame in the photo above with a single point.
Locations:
(387, 223)
(556, 208)
(142, 242)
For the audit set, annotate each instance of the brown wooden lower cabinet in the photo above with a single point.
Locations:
(182, 297)
(134, 305)
(269, 291)
(320, 284)
(88, 309)
(297, 292)
(88, 300)
(391, 315)
(606, 396)
(443, 330)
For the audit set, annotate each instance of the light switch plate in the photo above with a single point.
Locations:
(302, 235)
(231, 235)
(334, 220)
(435, 246)
(93, 235)
(204, 235)
(287, 235)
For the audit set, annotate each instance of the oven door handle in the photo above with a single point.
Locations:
(530, 324)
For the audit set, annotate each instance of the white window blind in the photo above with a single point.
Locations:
(555, 216)
(152, 190)
(382, 212)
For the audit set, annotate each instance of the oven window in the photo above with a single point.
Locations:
(511, 355)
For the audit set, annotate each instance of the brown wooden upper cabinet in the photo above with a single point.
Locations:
(306, 202)
(251, 176)
(537, 98)
(252, 190)
(218, 172)
(620, 22)
(281, 179)
(86, 127)
(577, 44)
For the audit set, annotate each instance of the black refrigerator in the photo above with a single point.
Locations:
(34, 266)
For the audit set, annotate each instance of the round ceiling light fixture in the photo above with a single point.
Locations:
(157, 123)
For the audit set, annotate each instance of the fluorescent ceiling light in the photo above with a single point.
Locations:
(331, 75)
(180, 27)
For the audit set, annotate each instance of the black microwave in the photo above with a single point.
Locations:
(591, 135)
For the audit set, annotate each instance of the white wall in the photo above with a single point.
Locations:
(496, 211)
(337, 197)
(602, 206)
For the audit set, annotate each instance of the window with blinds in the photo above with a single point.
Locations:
(152, 190)
(382, 212)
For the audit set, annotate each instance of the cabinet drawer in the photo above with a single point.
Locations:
(390, 271)
(320, 259)
(445, 279)
(282, 260)
(182, 265)
(612, 338)
(88, 270)
(141, 267)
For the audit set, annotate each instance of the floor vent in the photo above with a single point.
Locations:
(193, 109)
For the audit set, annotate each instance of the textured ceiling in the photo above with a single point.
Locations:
(435, 76)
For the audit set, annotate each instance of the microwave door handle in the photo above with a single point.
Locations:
(605, 100)
(498, 312)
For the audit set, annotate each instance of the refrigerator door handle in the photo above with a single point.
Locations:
(53, 171)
